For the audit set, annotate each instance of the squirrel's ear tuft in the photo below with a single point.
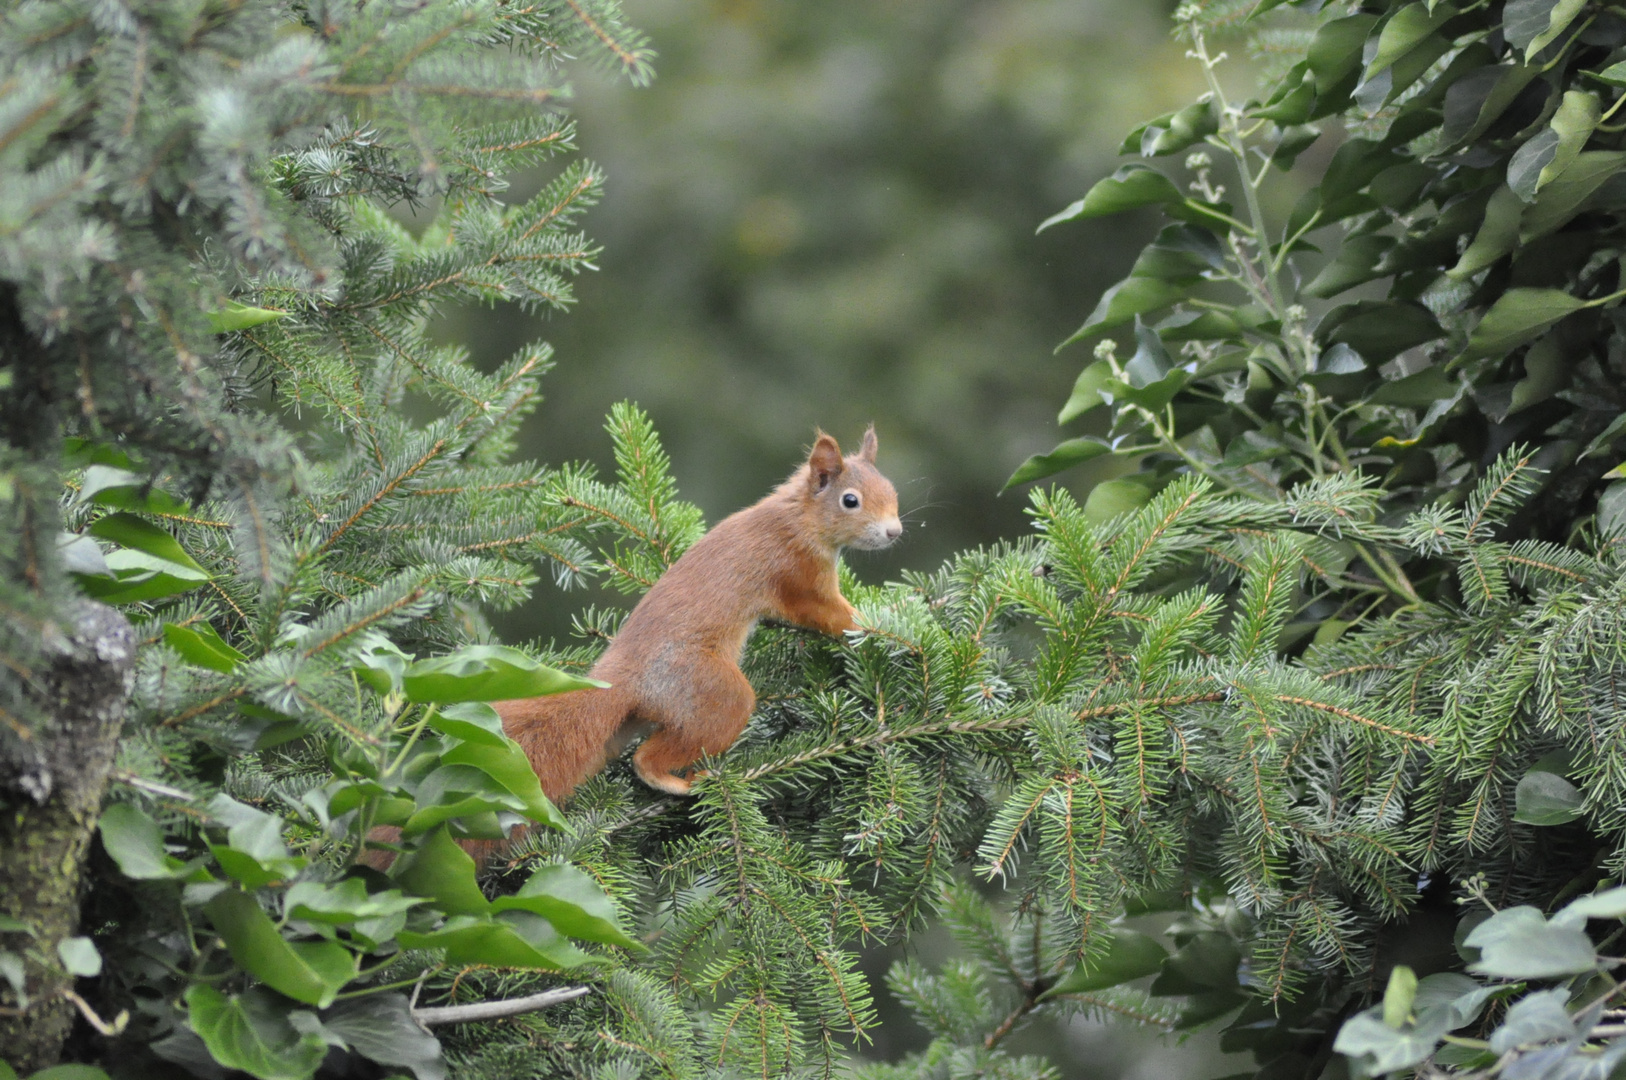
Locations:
(867, 449)
(823, 463)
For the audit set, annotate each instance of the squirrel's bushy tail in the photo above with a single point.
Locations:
(568, 737)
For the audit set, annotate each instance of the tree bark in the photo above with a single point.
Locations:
(46, 828)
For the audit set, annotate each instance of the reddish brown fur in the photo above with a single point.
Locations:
(674, 666)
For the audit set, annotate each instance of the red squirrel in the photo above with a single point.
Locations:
(674, 667)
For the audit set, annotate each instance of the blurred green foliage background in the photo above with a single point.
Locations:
(822, 213)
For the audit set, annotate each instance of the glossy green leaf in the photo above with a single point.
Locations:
(1064, 456)
(1184, 129)
(1130, 955)
(1519, 943)
(120, 489)
(235, 316)
(1531, 25)
(1567, 194)
(1382, 1048)
(1294, 99)
(1131, 187)
(486, 673)
(136, 845)
(380, 1027)
(1478, 99)
(1498, 233)
(1206, 1007)
(506, 763)
(1609, 904)
(1551, 151)
(471, 721)
(199, 644)
(1546, 372)
(441, 870)
(1544, 798)
(381, 664)
(1416, 391)
(1379, 330)
(81, 555)
(1518, 316)
(79, 957)
(67, 1072)
(505, 942)
(1112, 498)
(1130, 297)
(1355, 263)
(308, 971)
(344, 901)
(1207, 962)
(1086, 393)
(1614, 74)
(137, 534)
(1334, 55)
(251, 1032)
(1407, 29)
(573, 902)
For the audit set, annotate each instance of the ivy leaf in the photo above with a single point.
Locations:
(135, 844)
(471, 721)
(251, 1032)
(1130, 955)
(309, 971)
(121, 489)
(514, 939)
(1614, 74)
(1518, 316)
(486, 673)
(1532, 25)
(1130, 297)
(1568, 193)
(148, 565)
(1207, 962)
(1334, 57)
(1418, 390)
(1114, 498)
(79, 957)
(199, 644)
(1498, 233)
(1129, 188)
(441, 870)
(1519, 943)
(1609, 904)
(573, 902)
(507, 764)
(1086, 393)
(380, 1027)
(1545, 798)
(1535, 1019)
(1064, 456)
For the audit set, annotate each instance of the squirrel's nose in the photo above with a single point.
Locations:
(894, 529)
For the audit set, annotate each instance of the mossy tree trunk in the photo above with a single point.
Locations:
(46, 829)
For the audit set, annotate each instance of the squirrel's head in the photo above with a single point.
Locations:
(855, 505)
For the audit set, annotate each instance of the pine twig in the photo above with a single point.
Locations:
(494, 1010)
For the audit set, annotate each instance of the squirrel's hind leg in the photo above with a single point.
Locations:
(716, 709)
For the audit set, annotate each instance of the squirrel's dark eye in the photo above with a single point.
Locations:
(850, 501)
